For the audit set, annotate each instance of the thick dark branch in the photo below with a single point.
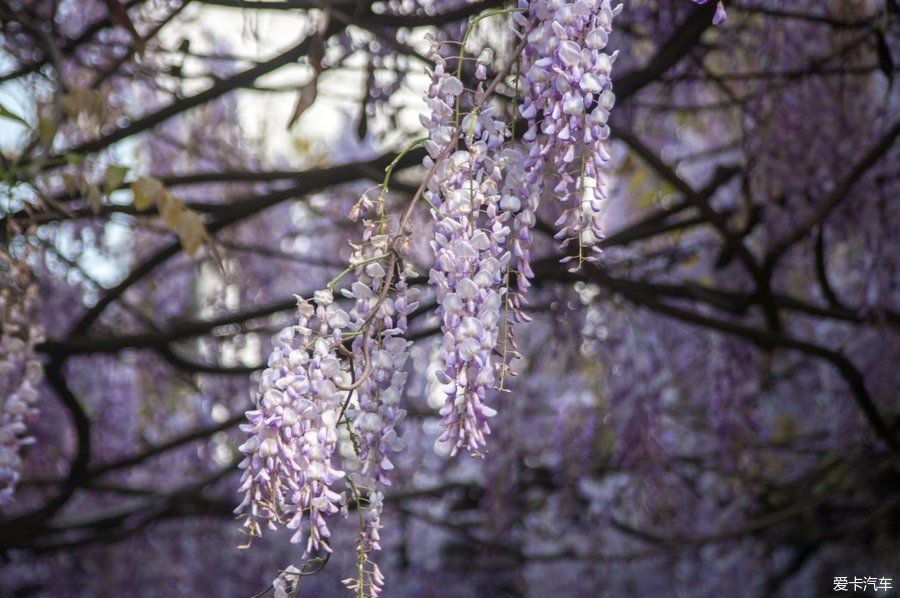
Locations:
(67, 48)
(671, 52)
(763, 338)
(25, 524)
(700, 201)
(134, 47)
(811, 17)
(183, 500)
(196, 367)
(822, 271)
(733, 241)
(371, 18)
(154, 451)
(802, 231)
(156, 339)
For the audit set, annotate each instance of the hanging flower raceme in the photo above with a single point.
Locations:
(20, 369)
(567, 98)
(379, 362)
(289, 469)
(333, 371)
(520, 196)
(325, 431)
(379, 368)
(368, 580)
(469, 247)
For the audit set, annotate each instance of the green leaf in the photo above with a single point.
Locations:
(114, 177)
(47, 130)
(5, 113)
(92, 193)
(191, 231)
(183, 221)
(147, 191)
(83, 101)
(638, 181)
(72, 183)
(73, 159)
(71, 104)
(171, 210)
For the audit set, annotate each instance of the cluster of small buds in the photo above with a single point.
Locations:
(377, 411)
(323, 327)
(442, 97)
(20, 369)
(378, 358)
(469, 246)
(369, 580)
(520, 196)
(566, 103)
(517, 212)
(526, 181)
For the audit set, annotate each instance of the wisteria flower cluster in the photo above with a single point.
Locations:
(567, 98)
(288, 469)
(469, 241)
(20, 368)
(325, 431)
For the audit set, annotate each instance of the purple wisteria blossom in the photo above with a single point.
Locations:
(379, 362)
(567, 97)
(289, 470)
(712, 410)
(20, 368)
(334, 372)
(469, 247)
(369, 579)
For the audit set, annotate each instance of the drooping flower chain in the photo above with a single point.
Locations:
(377, 410)
(288, 468)
(567, 96)
(308, 373)
(334, 370)
(20, 369)
(484, 196)
(469, 247)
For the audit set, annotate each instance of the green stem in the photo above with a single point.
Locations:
(351, 267)
(390, 169)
